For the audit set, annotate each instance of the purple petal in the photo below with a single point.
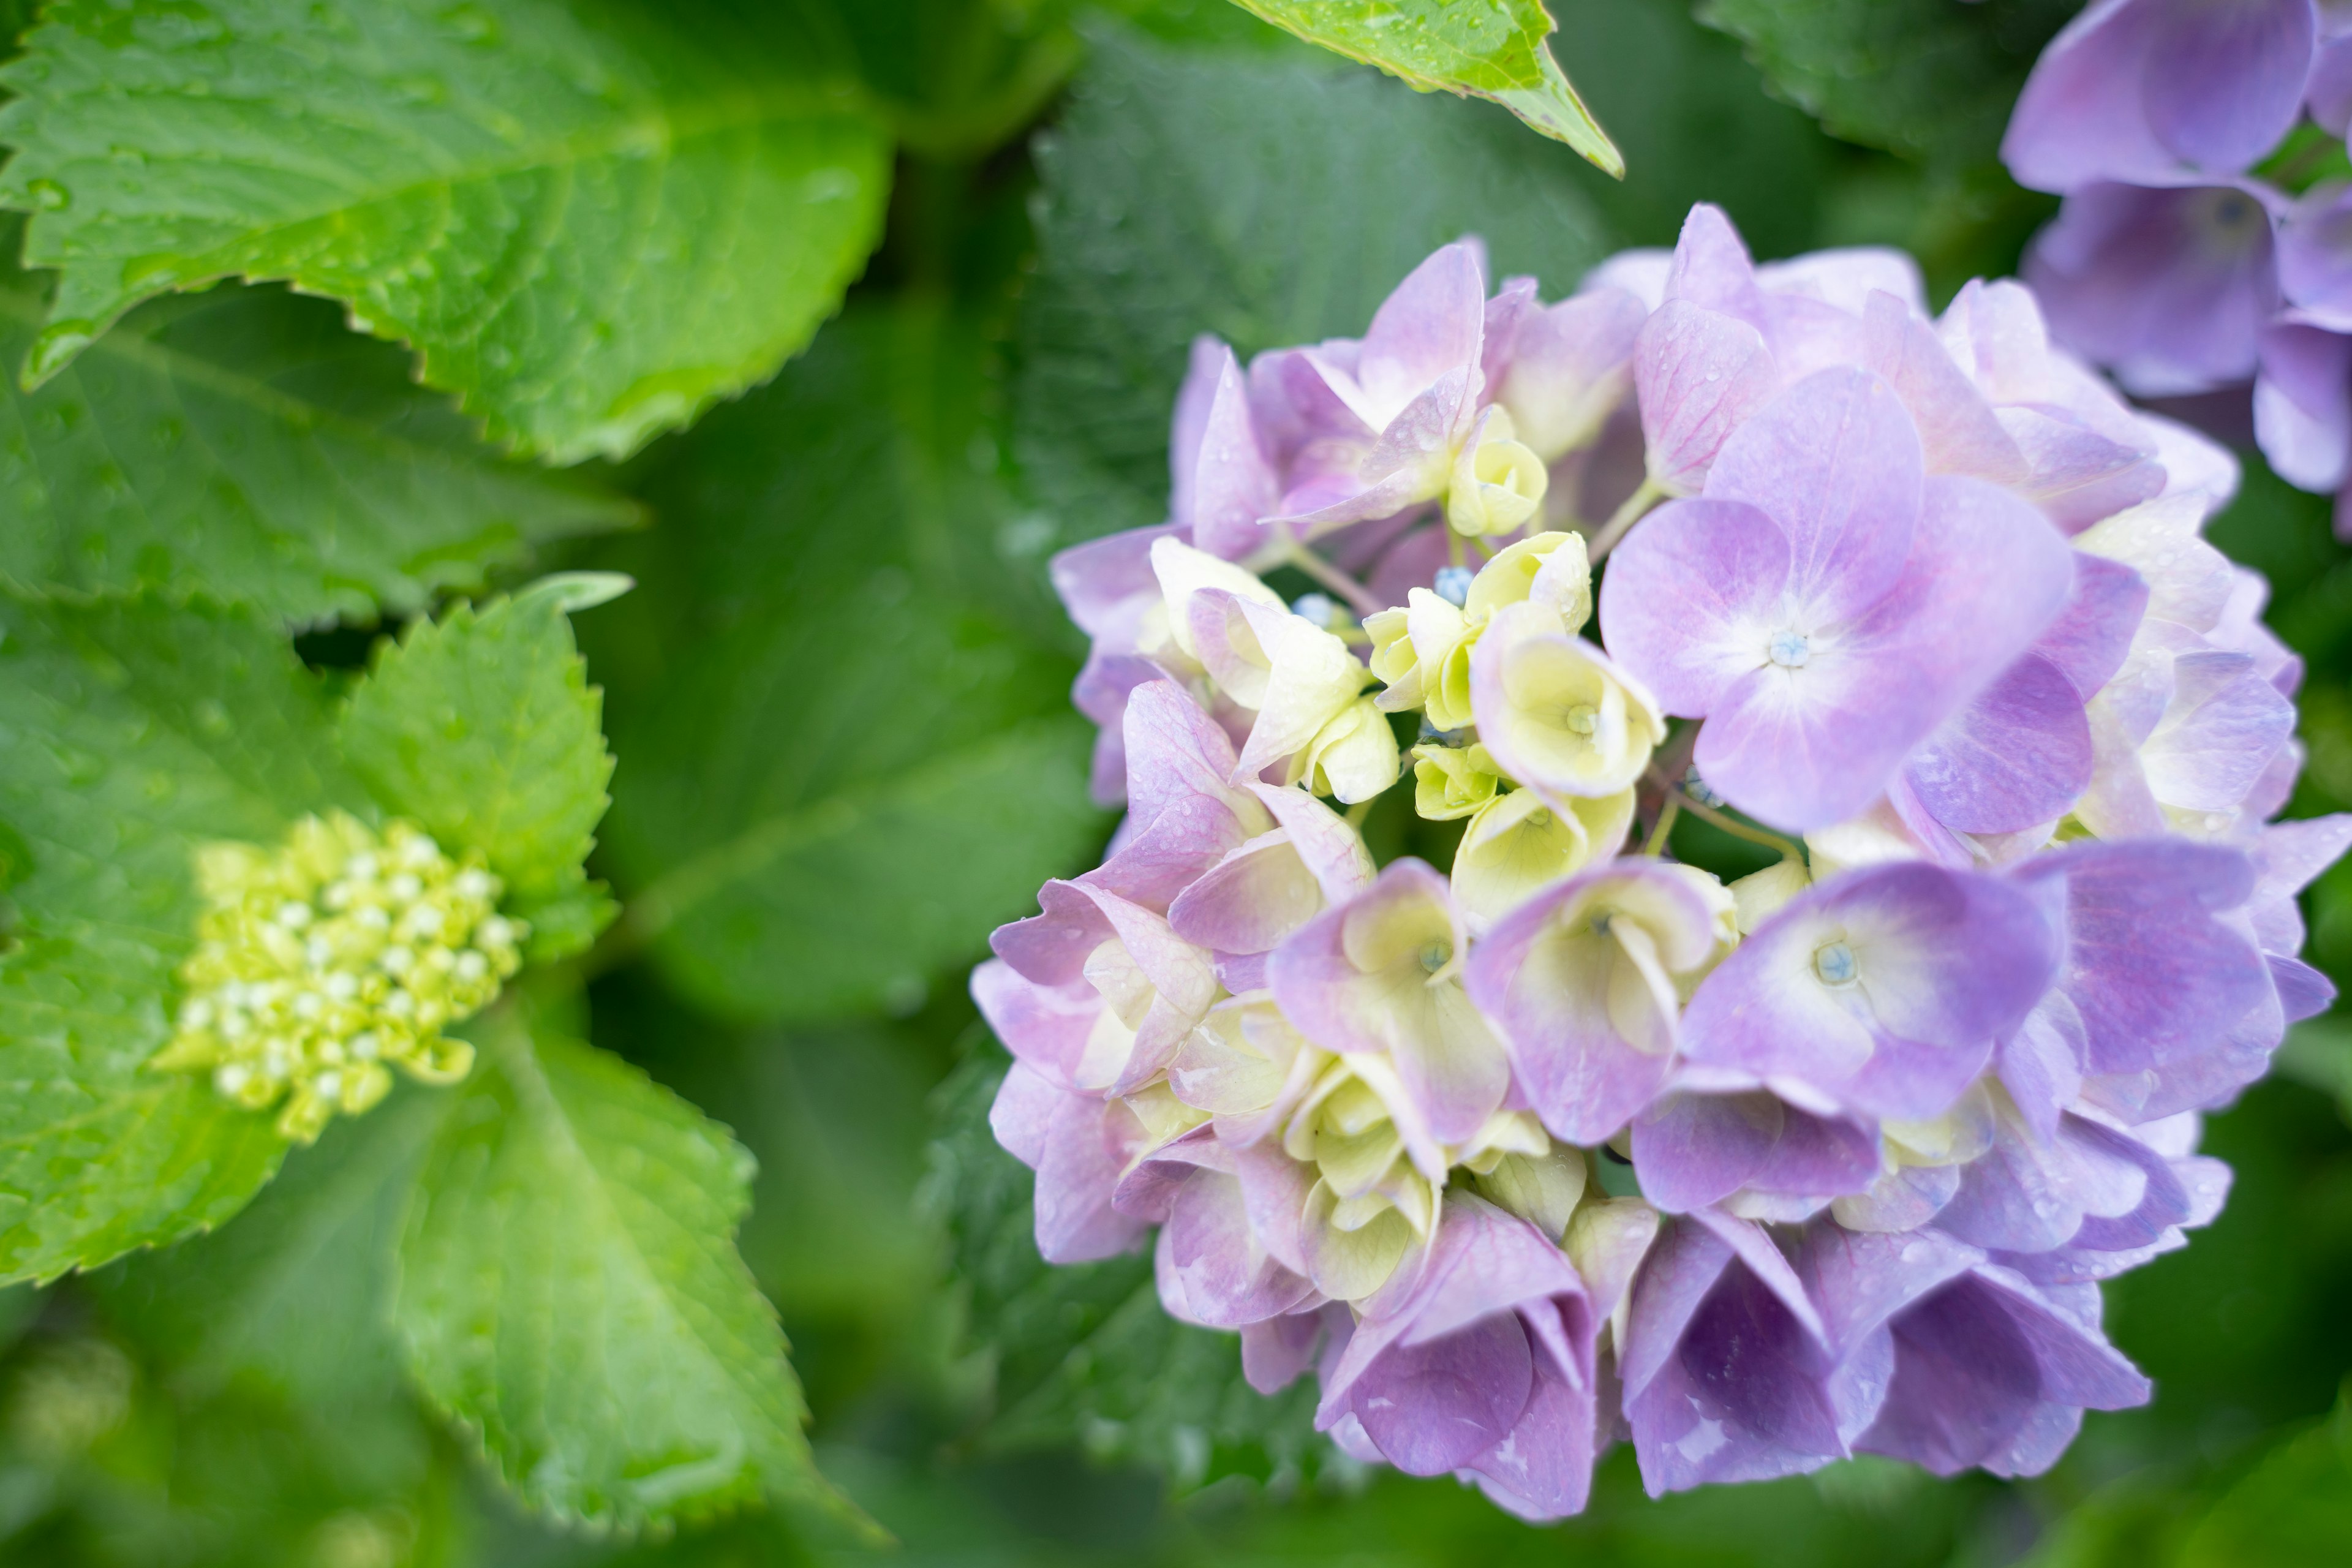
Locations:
(1958, 431)
(1233, 485)
(1433, 1407)
(2093, 633)
(2017, 755)
(1433, 324)
(1211, 1269)
(2080, 117)
(2315, 252)
(1570, 367)
(1836, 462)
(1275, 1351)
(1099, 581)
(1022, 1115)
(1845, 276)
(1860, 1280)
(1698, 375)
(1333, 852)
(2222, 82)
(1182, 818)
(2302, 992)
(2218, 734)
(1711, 267)
(1691, 598)
(2302, 404)
(1544, 1471)
(2330, 90)
(1693, 1150)
(2077, 473)
(1204, 368)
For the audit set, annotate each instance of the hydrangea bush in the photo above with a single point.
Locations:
(1571, 1142)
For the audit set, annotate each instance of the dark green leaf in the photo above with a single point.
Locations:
(590, 220)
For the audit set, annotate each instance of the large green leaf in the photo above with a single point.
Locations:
(1085, 1354)
(1494, 49)
(569, 1291)
(1928, 78)
(242, 445)
(1267, 202)
(590, 220)
(129, 733)
(483, 728)
(850, 745)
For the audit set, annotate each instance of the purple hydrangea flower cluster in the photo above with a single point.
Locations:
(1573, 1143)
(2169, 262)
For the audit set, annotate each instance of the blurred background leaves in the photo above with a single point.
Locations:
(832, 694)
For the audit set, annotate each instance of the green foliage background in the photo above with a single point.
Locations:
(253, 562)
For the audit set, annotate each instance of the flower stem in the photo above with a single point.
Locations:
(1668, 809)
(1338, 582)
(1789, 848)
(1624, 518)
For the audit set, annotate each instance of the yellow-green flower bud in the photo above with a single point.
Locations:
(324, 964)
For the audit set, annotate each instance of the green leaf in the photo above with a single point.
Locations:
(590, 220)
(242, 445)
(1085, 1354)
(570, 1291)
(482, 729)
(1928, 78)
(1285, 202)
(130, 732)
(1494, 49)
(849, 755)
(296, 1293)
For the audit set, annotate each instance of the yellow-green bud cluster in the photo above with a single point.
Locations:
(327, 961)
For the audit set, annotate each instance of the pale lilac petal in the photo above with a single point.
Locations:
(1691, 599)
(1205, 369)
(1845, 276)
(1506, 313)
(2302, 992)
(1100, 693)
(1086, 1147)
(2302, 404)
(1433, 324)
(1694, 1150)
(2328, 92)
(1836, 462)
(2077, 473)
(1333, 852)
(1711, 267)
(2314, 253)
(1044, 1027)
(2093, 633)
(1246, 903)
(1641, 272)
(1543, 1470)
(2032, 1191)
(1182, 816)
(1099, 581)
(1234, 486)
(1276, 1351)
(1210, 1268)
(2080, 116)
(2020, 753)
(2194, 463)
(1958, 431)
(2222, 82)
(1571, 364)
(1022, 1115)
(1699, 376)
(2219, 733)
(1942, 963)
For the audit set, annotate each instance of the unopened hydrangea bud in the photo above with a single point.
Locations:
(325, 961)
(1498, 483)
(1451, 782)
(1352, 758)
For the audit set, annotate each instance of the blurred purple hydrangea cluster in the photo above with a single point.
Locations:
(2172, 264)
(1573, 1143)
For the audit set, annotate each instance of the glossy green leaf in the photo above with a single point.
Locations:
(840, 690)
(130, 732)
(569, 1292)
(1284, 202)
(1494, 49)
(589, 221)
(482, 728)
(1085, 1354)
(242, 445)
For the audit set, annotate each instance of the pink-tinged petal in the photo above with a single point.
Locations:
(1587, 1015)
(1711, 267)
(1433, 325)
(1086, 1147)
(1333, 852)
(1980, 1367)
(1376, 976)
(1847, 276)
(1691, 599)
(1233, 485)
(1296, 409)
(1205, 367)
(1698, 375)
(1572, 366)
(2077, 473)
(1099, 581)
(1641, 272)
(1044, 1027)
(1694, 1150)
(2328, 93)
(2093, 633)
(1276, 1351)
(1958, 431)
(2223, 727)
(2177, 1007)
(1160, 983)
(1884, 987)
(1247, 902)
(2081, 116)
(1211, 1269)
(2020, 753)
(1100, 693)
(1274, 1190)
(1022, 1115)
(1506, 313)
(1836, 462)
(1147, 1189)
(2302, 404)
(2224, 82)
(1182, 818)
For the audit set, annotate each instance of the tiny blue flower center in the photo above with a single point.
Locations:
(1452, 584)
(1435, 956)
(1315, 607)
(1833, 961)
(1790, 649)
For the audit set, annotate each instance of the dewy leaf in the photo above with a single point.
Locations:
(590, 220)
(1285, 202)
(483, 729)
(1494, 49)
(1085, 1354)
(850, 744)
(570, 1290)
(1928, 78)
(243, 444)
(129, 733)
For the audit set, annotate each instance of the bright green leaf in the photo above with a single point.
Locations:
(1928, 78)
(1085, 1354)
(590, 220)
(1494, 49)
(482, 728)
(570, 1291)
(243, 444)
(840, 690)
(129, 733)
(1286, 201)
